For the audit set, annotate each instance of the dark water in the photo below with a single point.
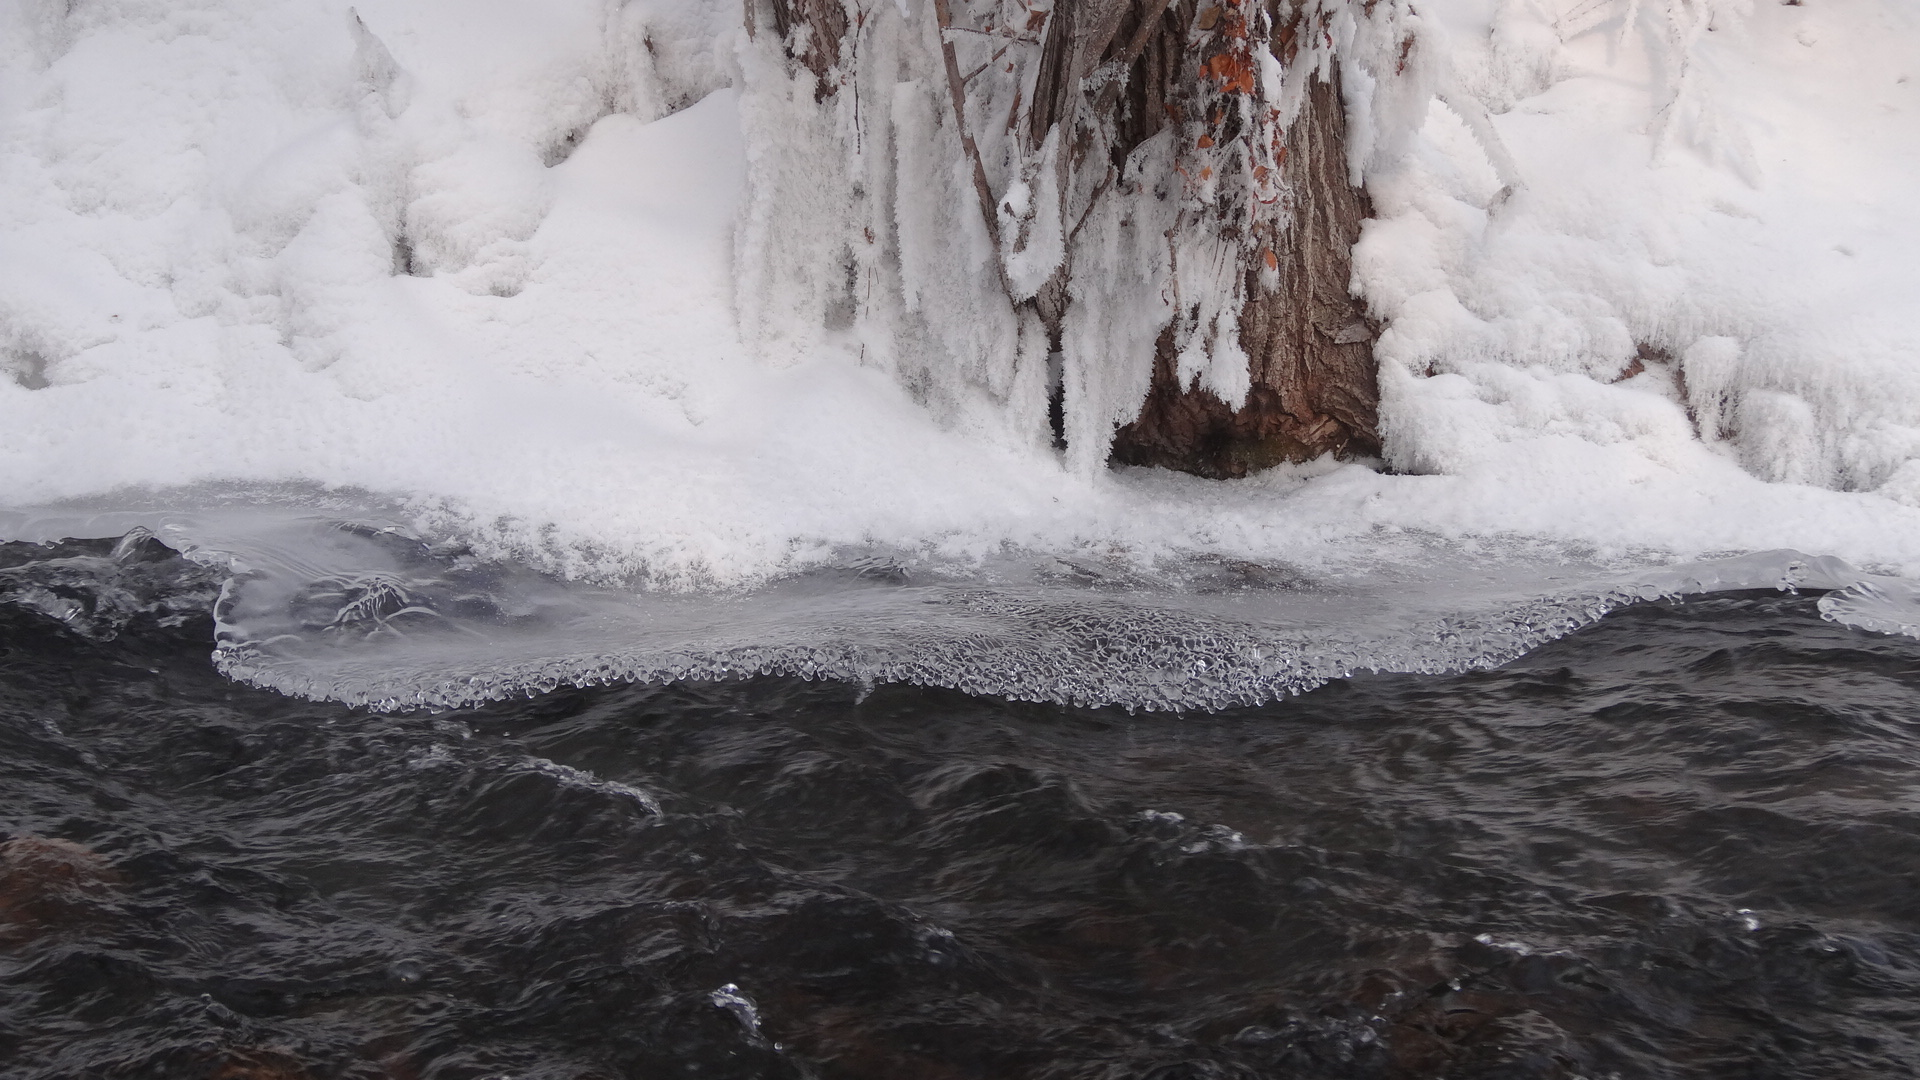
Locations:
(1684, 842)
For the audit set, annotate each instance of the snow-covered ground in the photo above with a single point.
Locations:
(1741, 201)
(480, 257)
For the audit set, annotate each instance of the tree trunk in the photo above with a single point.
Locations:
(1309, 344)
(1254, 156)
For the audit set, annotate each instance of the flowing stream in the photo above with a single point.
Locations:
(1680, 841)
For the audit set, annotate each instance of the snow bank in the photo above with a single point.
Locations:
(518, 267)
(1709, 237)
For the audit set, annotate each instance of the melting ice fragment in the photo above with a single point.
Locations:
(1884, 604)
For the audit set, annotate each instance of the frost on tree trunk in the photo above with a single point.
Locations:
(1309, 345)
(1141, 209)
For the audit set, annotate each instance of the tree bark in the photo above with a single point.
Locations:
(1309, 344)
(1270, 189)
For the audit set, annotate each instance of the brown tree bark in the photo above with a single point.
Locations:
(1310, 346)
(1187, 65)
(812, 31)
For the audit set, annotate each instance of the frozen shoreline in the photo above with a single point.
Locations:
(201, 213)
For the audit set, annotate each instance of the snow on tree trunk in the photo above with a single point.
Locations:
(1141, 209)
(1313, 385)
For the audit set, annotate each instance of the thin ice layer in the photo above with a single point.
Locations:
(442, 630)
(366, 613)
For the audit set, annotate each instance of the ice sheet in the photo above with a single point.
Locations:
(360, 609)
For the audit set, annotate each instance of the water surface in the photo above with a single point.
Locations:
(1681, 842)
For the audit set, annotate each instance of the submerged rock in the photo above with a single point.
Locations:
(47, 883)
(98, 587)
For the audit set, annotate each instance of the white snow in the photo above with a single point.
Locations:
(1731, 187)
(571, 279)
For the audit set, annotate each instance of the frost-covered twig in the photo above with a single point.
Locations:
(957, 95)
